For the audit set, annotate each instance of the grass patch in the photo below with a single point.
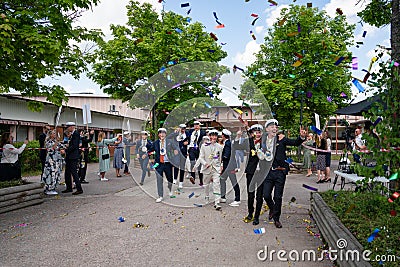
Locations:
(371, 210)
(5, 184)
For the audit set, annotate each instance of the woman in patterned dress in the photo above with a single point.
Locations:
(54, 163)
(118, 155)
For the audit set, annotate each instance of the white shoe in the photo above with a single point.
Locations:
(235, 204)
(180, 185)
(51, 192)
(217, 207)
(104, 179)
(174, 182)
(170, 193)
(158, 200)
(223, 200)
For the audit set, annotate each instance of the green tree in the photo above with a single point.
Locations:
(387, 82)
(38, 40)
(298, 57)
(147, 45)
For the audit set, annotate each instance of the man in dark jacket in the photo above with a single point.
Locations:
(229, 169)
(163, 153)
(181, 140)
(72, 160)
(86, 138)
(254, 188)
(195, 138)
(275, 146)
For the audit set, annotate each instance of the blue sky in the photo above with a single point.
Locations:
(236, 16)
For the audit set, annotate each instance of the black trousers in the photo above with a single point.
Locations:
(43, 161)
(83, 167)
(193, 156)
(71, 170)
(274, 181)
(254, 192)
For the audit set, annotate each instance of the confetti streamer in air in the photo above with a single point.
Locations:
(220, 26)
(237, 68)
(185, 5)
(238, 111)
(213, 36)
(339, 11)
(207, 105)
(298, 27)
(378, 120)
(273, 3)
(354, 63)
(178, 30)
(254, 15)
(393, 197)
(309, 5)
(342, 94)
(394, 176)
(254, 21)
(358, 85)
(366, 77)
(252, 35)
(329, 99)
(223, 43)
(297, 63)
(364, 34)
(215, 15)
(188, 12)
(339, 61)
(281, 22)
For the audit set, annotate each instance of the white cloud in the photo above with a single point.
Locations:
(248, 56)
(259, 29)
(348, 7)
(109, 12)
(273, 14)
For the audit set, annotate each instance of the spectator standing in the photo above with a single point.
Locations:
(104, 154)
(43, 151)
(11, 167)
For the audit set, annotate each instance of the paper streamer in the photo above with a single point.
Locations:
(358, 85)
(373, 235)
(259, 231)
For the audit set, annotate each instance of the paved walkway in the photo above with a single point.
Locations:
(84, 230)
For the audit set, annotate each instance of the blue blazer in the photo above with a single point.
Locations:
(156, 148)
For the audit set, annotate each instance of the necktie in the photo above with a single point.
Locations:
(162, 150)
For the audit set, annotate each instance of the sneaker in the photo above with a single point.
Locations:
(180, 185)
(174, 182)
(104, 179)
(170, 193)
(223, 200)
(141, 183)
(235, 204)
(51, 192)
(217, 207)
(158, 200)
(98, 174)
(84, 182)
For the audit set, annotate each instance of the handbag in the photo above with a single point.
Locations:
(104, 156)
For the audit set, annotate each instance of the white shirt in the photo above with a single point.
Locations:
(10, 153)
(194, 137)
(328, 144)
(359, 142)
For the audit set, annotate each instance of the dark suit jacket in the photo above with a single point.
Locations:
(280, 151)
(228, 158)
(199, 139)
(72, 151)
(156, 148)
(42, 152)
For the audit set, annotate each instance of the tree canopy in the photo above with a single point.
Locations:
(38, 40)
(298, 59)
(149, 43)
